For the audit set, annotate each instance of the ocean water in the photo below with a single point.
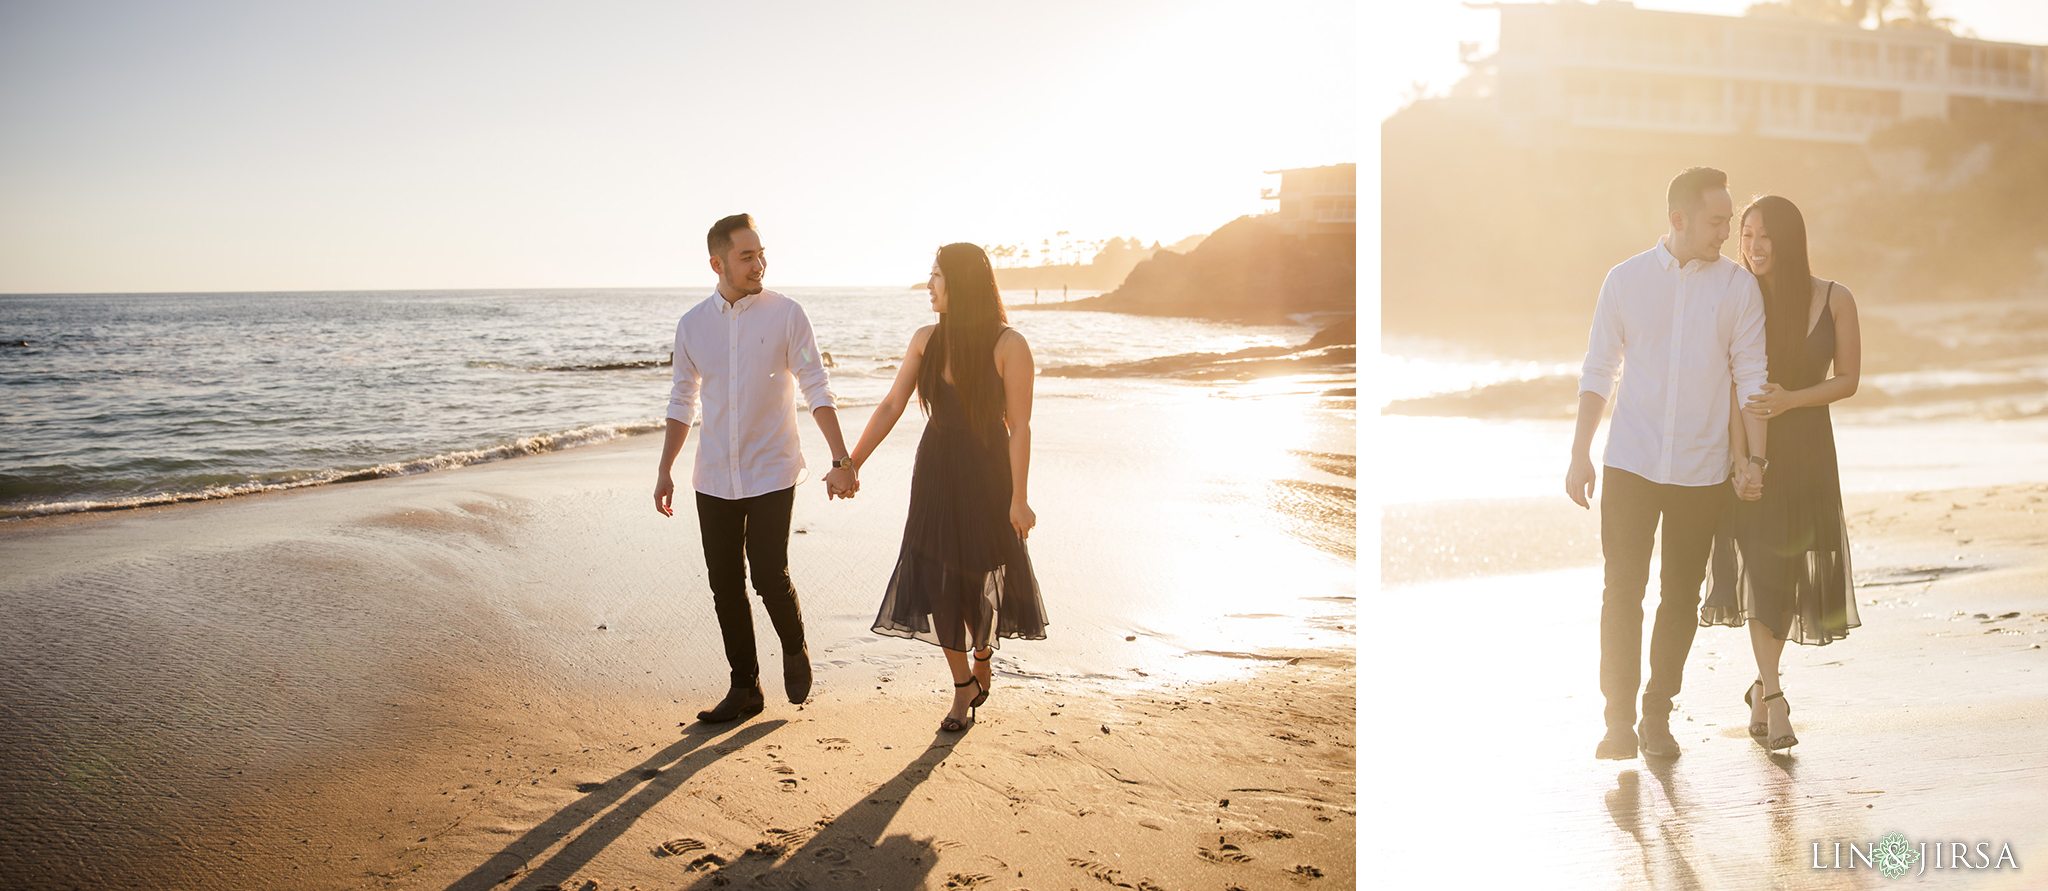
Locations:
(1972, 413)
(110, 401)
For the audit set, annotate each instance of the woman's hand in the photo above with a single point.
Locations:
(1772, 402)
(1022, 519)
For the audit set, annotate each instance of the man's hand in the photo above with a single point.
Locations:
(841, 482)
(664, 495)
(1578, 481)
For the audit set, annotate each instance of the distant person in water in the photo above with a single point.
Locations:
(1682, 328)
(963, 579)
(1781, 563)
(742, 354)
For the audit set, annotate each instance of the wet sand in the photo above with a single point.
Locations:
(1928, 720)
(487, 677)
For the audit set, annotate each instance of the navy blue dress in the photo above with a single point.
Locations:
(1783, 560)
(963, 579)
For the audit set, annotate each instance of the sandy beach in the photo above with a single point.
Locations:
(1926, 720)
(487, 677)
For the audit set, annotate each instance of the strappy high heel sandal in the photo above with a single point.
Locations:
(1758, 729)
(978, 700)
(955, 725)
(1789, 740)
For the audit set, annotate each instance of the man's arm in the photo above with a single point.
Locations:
(682, 410)
(1596, 382)
(1579, 480)
(1748, 484)
(671, 446)
(1756, 430)
(812, 379)
(841, 481)
(1749, 366)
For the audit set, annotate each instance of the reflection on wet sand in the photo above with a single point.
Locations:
(1925, 721)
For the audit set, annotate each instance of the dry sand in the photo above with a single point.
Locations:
(487, 678)
(1929, 720)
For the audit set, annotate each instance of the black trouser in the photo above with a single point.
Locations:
(1629, 513)
(750, 532)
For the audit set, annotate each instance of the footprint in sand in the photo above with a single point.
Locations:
(834, 743)
(708, 861)
(967, 880)
(677, 847)
(790, 838)
(589, 787)
(783, 769)
(1305, 873)
(1224, 854)
(845, 874)
(831, 855)
(790, 786)
(1285, 736)
(1101, 872)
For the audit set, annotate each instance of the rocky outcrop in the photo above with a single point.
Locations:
(1248, 270)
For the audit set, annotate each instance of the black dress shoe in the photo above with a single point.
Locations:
(741, 702)
(1657, 740)
(1618, 745)
(796, 673)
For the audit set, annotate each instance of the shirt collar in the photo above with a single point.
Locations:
(1670, 263)
(736, 306)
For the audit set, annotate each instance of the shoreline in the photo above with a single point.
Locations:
(411, 682)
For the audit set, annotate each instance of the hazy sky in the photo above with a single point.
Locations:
(159, 146)
(1431, 30)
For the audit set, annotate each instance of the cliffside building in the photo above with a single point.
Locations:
(1569, 71)
(1317, 201)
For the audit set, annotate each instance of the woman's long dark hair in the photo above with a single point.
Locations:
(966, 337)
(1788, 288)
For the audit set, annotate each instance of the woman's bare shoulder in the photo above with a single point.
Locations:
(1834, 292)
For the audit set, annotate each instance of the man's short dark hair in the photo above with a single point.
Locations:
(720, 238)
(1689, 183)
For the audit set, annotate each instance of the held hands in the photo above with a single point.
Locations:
(1578, 481)
(841, 482)
(1772, 402)
(1022, 519)
(1748, 481)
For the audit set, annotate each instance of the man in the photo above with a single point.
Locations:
(744, 351)
(1678, 324)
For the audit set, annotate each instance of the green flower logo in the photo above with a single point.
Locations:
(1895, 855)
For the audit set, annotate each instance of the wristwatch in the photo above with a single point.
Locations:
(845, 463)
(1759, 461)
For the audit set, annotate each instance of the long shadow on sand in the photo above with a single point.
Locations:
(663, 773)
(847, 851)
(1667, 823)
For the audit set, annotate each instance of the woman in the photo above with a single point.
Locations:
(963, 579)
(1781, 562)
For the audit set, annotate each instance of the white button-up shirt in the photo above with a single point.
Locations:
(744, 362)
(1676, 336)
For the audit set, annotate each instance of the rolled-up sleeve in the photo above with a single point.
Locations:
(1747, 361)
(1604, 345)
(811, 377)
(682, 398)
